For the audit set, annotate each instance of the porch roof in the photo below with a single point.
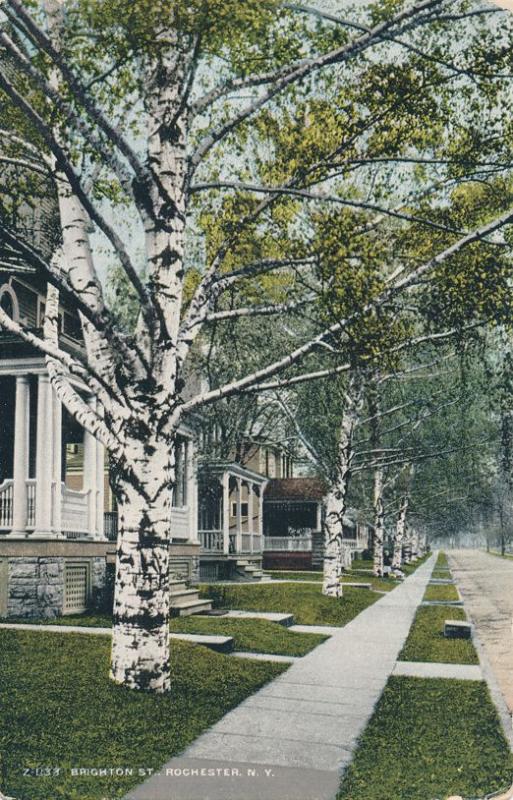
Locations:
(305, 489)
(222, 467)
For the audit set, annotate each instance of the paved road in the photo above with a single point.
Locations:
(486, 584)
(293, 737)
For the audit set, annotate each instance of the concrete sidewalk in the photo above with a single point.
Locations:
(293, 738)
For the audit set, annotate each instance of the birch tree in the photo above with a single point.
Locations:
(161, 118)
(400, 527)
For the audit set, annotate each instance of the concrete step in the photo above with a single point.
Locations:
(177, 586)
(221, 644)
(354, 585)
(266, 657)
(198, 606)
(272, 616)
(183, 597)
(242, 562)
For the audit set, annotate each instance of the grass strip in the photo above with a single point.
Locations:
(441, 561)
(381, 584)
(290, 575)
(430, 739)
(306, 602)
(378, 584)
(441, 592)
(426, 640)
(252, 635)
(59, 708)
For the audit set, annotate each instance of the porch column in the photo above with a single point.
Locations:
(44, 458)
(319, 517)
(100, 486)
(90, 471)
(226, 513)
(21, 456)
(239, 515)
(192, 491)
(261, 493)
(251, 529)
(57, 463)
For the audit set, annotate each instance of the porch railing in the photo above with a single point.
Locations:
(110, 525)
(31, 503)
(211, 541)
(290, 544)
(6, 497)
(75, 509)
(180, 523)
(75, 513)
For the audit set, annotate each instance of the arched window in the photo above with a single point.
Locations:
(9, 302)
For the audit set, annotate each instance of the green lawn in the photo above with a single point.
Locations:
(286, 575)
(426, 640)
(253, 635)
(441, 573)
(305, 601)
(88, 620)
(441, 592)
(409, 569)
(360, 563)
(381, 584)
(427, 739)
(378, 584)
(441, 561)
(58, 708)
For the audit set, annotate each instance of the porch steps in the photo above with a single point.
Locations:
(184, 602)
(248, 571)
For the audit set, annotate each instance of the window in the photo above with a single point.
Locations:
(9, 302)
(181, 460)
(244, 510)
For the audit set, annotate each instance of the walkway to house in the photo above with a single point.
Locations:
(293, 737)
(486, 584)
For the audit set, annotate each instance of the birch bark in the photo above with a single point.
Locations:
(379, 523)
(336, 499)
(140, 641)
(397, 558)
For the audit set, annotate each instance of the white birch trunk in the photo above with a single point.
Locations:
(400, 530)
(379, 524)
(332, 565)
(140, 641)
(336, 499)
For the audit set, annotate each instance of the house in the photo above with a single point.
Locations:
(293, 525)
(52, 545)
(55, 549)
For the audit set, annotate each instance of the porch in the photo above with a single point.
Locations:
(230, 521)
(39, 494)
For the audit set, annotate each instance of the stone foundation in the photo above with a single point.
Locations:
(36, 585)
